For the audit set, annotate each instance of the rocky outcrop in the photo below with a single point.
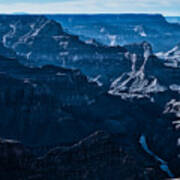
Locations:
(172, 57)
(148, 75)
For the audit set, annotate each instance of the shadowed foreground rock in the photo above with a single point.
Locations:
(95, 157)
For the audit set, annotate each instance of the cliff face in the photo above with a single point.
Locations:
(97, 156)
(34, 100)
(126, 91)
(123, 29)
(31, 40)
(37, 41)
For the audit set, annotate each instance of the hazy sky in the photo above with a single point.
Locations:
(166, 7)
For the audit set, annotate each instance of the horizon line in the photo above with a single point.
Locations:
(98, 13)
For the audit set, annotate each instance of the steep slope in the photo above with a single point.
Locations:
(100, 63)
(97, 156)
(33, 100)
(40, 41)
(31, 36)
(151, 80)
(149, 75)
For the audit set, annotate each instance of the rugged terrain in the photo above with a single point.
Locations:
(57, 89)
(97, 156)
(122, 29)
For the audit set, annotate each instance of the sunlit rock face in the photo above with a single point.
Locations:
(136, 83)
(148, 75)
(172, 57)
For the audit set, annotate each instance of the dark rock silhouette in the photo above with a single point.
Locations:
(97, 156)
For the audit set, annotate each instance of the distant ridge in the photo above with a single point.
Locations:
(19, 13)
